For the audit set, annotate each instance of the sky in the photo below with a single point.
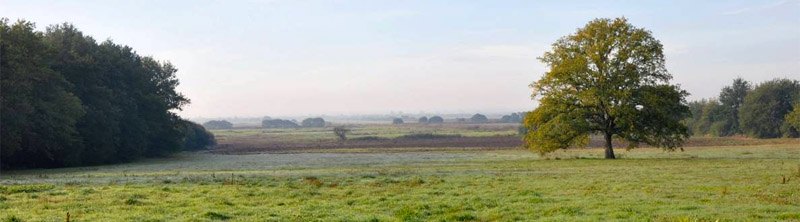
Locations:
(300, 57)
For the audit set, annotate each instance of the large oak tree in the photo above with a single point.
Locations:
(608, 78)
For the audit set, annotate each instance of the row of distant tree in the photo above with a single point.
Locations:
(68, 100)
(477, 118)
(767, 110)
(269, 123)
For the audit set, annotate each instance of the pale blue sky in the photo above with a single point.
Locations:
(281, 57)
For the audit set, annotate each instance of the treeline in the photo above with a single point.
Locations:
(767, 110)
(68, 100)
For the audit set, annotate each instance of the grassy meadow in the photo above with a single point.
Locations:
(713, 183)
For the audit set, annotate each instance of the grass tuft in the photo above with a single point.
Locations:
(28, 188)
(216, 216)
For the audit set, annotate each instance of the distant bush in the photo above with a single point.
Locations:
(196, 137)
(278, 123)
(218, 124)
(513, 118)
(429, 136)
(397, 121)
(423, 120)
(478, 118)
(436, 119)
(341, 132)
(313, 122)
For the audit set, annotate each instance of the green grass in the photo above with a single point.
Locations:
(701, 184)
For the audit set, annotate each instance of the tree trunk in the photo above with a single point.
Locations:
(609, 147)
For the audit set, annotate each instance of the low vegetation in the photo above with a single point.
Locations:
(700, 184)
(218, 124)
(278, 123)
(313, 122)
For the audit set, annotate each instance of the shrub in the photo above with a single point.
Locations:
(513, 118)
(478, 118)
(196, 137)
(436, 119)
(218, 124)
(397, 121)
(278, 123)
(423, 120)
(313, 122)
(341, 132)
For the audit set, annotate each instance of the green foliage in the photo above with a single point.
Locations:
(67, 100)
(731, 99)
(478, 118)
(793, 118)
(196, 136)
(313, 122)
(764, 109)
(39, 114)
(423, 120)
(607, 78)
(397, 121)
(218, 124)
(719, 117)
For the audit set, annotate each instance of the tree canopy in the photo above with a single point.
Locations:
(608, 78)
(731, 99)
(397, 121)
(764, 111)
(68, 100)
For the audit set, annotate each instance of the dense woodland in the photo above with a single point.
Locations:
(767, 110)
(68, 100)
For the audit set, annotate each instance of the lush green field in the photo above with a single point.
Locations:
(700, 184)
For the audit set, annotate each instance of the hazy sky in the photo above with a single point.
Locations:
(282, 57)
